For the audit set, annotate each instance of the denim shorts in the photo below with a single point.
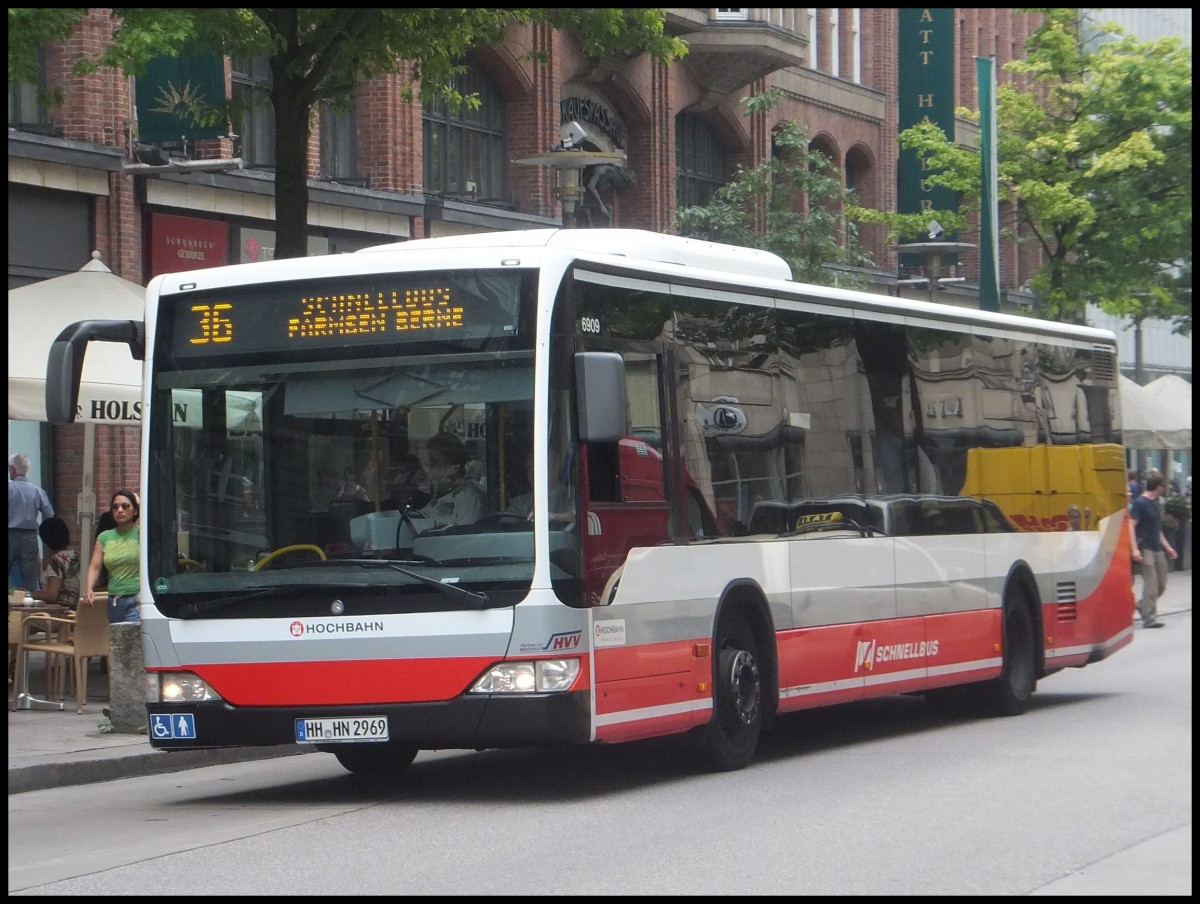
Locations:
(123, 609)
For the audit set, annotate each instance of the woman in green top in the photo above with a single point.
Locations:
(118, 550)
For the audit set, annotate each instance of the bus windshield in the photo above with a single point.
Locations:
(391, 471)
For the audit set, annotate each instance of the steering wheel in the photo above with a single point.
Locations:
(183, 563)
(283, 550)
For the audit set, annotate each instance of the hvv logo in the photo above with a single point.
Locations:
(566, 640)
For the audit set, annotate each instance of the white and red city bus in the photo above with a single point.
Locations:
(750, 497)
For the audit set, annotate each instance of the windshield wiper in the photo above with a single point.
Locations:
(480, 599)
(191, 610)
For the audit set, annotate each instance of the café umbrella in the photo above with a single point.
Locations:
(111, 388)
(1173, 395)
(1150, 421)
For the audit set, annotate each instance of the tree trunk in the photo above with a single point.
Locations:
(292, 106)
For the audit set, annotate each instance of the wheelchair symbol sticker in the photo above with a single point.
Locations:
(178, 726)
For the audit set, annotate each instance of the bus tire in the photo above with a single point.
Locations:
(1009, 694)
(732, 735)
(375, 760)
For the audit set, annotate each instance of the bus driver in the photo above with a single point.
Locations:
(456, 499)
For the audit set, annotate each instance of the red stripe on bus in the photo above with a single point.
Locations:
(340, 683)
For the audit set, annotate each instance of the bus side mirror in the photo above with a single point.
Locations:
(600, 396)
(64, 365)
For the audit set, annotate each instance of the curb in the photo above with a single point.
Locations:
(153, 762)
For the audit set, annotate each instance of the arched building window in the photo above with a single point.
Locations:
(465, 154)
(701, 165)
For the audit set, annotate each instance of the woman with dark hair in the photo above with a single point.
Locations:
(60, 579)
(118, 551)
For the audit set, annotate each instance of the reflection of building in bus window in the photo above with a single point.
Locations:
(889, 463)
(892, 474)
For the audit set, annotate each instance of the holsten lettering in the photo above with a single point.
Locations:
(112, 410)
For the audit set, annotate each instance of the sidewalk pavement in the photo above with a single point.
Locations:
(49, 749)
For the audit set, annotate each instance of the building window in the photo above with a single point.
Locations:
(732, 14)
(835, 43)
(25, 111)
(856, 47)
(339, 142)
(255, 120)
(701, 166)
(465, 153)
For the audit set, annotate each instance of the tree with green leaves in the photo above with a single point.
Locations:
(320, 55)
(790, 205)
(1095, 162)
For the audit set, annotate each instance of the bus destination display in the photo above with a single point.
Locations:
(278, 318)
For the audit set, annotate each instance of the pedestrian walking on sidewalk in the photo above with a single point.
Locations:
(1150, 549)
(26, 501)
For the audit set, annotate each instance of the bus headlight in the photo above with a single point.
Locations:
(177, 687)
(539, 676)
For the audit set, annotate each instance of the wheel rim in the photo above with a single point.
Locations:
(744, 687)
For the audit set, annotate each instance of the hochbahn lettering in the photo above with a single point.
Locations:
(299, 629)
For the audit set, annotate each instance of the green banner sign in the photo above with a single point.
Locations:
(989, 226)
(175, 94)
(926, 94)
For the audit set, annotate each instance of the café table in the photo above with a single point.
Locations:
(26, 700)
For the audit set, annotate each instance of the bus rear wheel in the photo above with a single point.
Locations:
(375, 760)
(1009, 694)
(732, 735)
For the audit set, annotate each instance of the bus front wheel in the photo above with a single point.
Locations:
(732, 735)
(375, 760)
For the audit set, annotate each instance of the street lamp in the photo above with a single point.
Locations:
(570, 158)
(932, 252)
